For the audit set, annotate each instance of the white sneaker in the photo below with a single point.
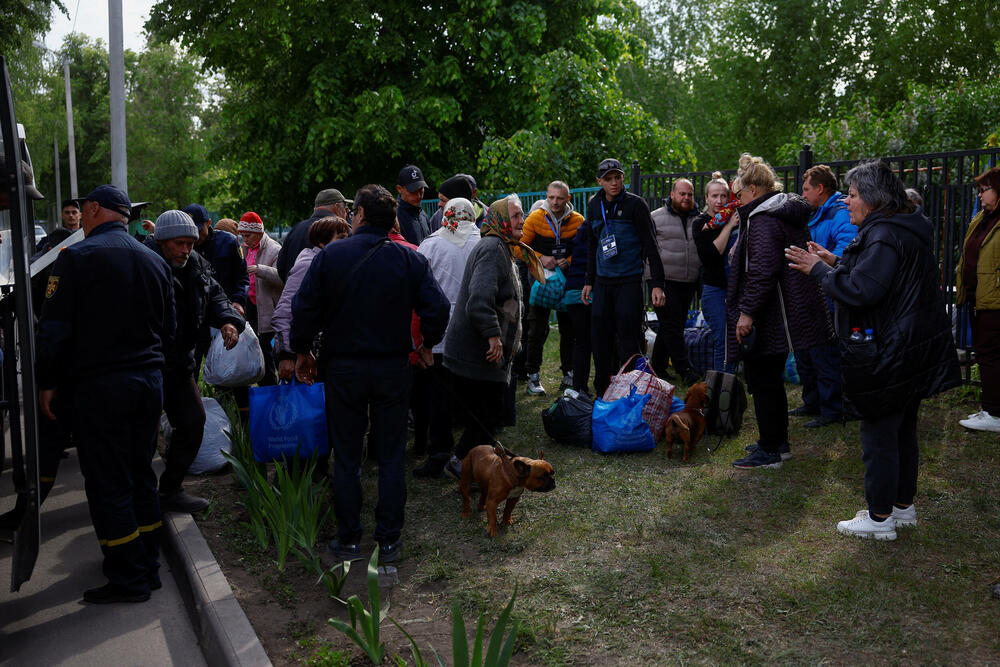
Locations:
(905, 518)
(862, 526)
(982, 421)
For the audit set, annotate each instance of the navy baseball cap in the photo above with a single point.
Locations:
(609, 165)
(411, 178)
(109, 197)
(198, 213)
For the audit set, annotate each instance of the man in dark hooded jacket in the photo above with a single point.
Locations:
(199, 301)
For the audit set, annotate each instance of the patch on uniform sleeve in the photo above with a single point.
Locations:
(51, 288)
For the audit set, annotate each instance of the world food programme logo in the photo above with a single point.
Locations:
(282, 415)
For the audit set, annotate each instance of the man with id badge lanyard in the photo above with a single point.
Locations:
(550, 231)
(621, 239)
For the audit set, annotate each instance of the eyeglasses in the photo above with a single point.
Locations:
(737, 193)
(986, 189)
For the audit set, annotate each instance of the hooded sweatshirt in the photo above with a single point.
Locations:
(830, 226)
(541, 226)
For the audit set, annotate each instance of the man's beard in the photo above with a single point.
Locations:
(179, 263)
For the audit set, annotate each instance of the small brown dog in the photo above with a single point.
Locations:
(500, 475)
(688, 425)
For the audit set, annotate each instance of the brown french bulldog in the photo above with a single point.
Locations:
(502, 476)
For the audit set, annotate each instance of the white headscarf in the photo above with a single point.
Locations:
(458, 222)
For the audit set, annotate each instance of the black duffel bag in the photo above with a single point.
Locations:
(567, 421)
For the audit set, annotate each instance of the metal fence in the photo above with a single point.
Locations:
(578, 197)
(944, 180)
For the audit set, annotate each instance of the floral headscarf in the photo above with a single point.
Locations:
(497, 223)
(458, 222)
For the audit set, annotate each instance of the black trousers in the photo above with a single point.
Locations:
(580, 315)
(616, 328)
(891, 456)
(986, 342)
(114, 420)
(671, 318)
(538, 332)
(770, 404)
(186, 413)
(479, 404)
(439, 393)
(819, 370)
(420, 407)
(355, 388)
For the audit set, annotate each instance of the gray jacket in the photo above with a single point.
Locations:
(489, 304)
(675, 242)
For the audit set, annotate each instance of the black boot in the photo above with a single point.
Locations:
(433, 466)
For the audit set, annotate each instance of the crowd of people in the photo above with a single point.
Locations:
(429, 321)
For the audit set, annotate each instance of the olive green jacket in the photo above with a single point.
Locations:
(987, 268)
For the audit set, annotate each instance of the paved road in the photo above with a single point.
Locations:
(46, 623)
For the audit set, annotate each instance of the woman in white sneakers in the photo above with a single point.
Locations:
(895, 337)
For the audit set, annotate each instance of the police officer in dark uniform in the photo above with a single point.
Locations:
(361, 293)
(107, 318)
(199, 301)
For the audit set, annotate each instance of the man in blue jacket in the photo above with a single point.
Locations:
(360, 293)
(819, 367)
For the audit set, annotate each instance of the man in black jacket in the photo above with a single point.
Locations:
(107, 318)
(413, 222)
(199, 301)
(224, 255)
(328, 202)
(621, 240)
(361, 294)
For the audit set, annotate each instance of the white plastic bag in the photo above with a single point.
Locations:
(213, 443)
(241, 366)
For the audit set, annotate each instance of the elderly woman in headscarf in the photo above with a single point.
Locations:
(485, 328)
(447, 250)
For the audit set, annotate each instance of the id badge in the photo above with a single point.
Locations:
(608, 246)
(559, 251)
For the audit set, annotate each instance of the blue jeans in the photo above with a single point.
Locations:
(713, 306)
(819, 370)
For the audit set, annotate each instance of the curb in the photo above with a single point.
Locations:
(225, 633)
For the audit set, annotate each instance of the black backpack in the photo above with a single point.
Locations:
(567, 421)
(727, 401)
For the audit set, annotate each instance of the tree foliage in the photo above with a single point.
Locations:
(930, 119)
(752, 71)
(344, 93)
(163, 100)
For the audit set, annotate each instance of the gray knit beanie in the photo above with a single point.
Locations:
(174, 224)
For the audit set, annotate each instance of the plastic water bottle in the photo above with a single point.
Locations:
(869, 335)
(856, 334)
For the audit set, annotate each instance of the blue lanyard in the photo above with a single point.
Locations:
(614, 209)
(557, 232)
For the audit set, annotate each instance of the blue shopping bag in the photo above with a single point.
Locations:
(618, 426)
(288, 420)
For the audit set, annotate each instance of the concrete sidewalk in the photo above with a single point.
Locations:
(47, 623)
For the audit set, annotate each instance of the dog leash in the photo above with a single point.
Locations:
(465, 409)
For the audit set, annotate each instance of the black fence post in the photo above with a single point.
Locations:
(805, 163)
(636, 186)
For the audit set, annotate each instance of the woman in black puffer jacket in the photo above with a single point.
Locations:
(886, 287)
(778, 309)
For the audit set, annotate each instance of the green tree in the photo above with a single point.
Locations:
(165, 152)
(323, 93)
(752, 71)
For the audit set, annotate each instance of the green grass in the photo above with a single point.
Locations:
(639, 559)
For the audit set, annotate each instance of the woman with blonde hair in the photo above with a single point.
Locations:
(714, 237)
(771, 309)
